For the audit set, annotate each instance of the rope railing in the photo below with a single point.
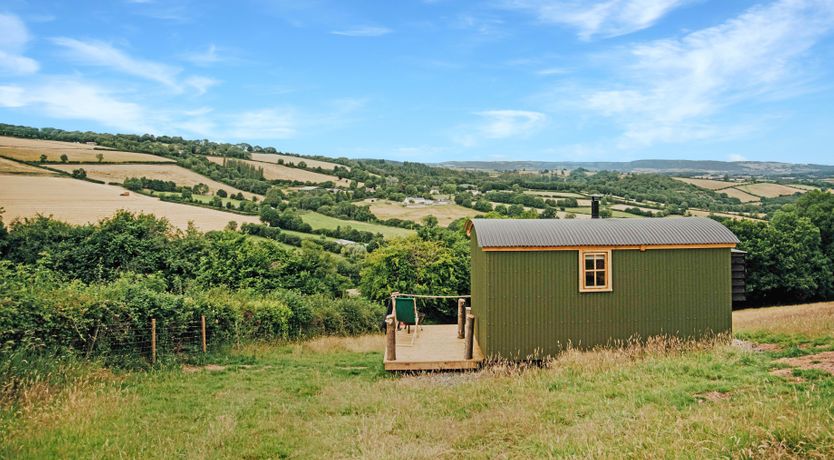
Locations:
(423, 296)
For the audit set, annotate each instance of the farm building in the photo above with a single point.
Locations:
(539, 285)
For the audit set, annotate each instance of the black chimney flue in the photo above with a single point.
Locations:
(594, 206)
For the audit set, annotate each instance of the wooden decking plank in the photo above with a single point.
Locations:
(435, 348)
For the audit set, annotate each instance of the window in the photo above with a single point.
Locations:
(595, 271)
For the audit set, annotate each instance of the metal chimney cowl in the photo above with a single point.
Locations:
(594, 206)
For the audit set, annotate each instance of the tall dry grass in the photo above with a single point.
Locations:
(808, 319)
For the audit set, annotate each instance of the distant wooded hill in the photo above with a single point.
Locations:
(755, 168)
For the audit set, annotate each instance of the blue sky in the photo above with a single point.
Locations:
(435, 80)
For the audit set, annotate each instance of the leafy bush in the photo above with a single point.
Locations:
(39, 310)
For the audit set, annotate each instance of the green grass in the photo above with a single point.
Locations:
(317, 220)
(587, 210)
(205, 199)
(330, 398)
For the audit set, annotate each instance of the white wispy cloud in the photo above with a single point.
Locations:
(101, 54)
(608, 18)
(263, 124)
(500, 124)
(69, 98)
(363, 31)
(673, 87)
(96, 53)
(200, 84)
(206, 57)
(13, 39)
(552, 71)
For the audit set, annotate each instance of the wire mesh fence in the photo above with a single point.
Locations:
(150, 340)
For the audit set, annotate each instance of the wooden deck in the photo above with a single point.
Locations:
(437, 347)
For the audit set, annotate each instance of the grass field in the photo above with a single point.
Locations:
(586, 211)
(32, 149)
(446, 213)
(556, 195)
(623, 207)
(279, 172)
(174, 173)
(80, 202)
(13, 167)
(291, 160)
(702, 213)
(317, 220)
(769, 189)
(329, 398)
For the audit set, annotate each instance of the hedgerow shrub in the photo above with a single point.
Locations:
(41, 311)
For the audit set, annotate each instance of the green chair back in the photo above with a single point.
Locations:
(406, 307)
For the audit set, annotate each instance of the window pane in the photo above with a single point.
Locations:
(601, 263)
(589, 262)
(589, 279)
(600, 279)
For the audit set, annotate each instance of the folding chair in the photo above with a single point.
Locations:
(405, 311)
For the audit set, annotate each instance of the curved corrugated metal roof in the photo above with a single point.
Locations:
(494, 233)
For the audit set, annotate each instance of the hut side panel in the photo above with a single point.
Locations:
(529, 301)
(481, 294)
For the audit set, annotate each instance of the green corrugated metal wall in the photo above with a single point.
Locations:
(528, 301)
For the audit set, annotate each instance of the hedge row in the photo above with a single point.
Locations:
(39, 310)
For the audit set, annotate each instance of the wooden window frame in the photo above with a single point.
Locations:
(608, 281)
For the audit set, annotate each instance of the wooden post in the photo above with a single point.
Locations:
(470, 339)
(461, 317)
(203, 331)
(153, 340)
(391, 338)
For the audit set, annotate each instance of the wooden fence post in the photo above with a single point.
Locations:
(203, 331)
(461, 317)
(470, 332)
(390, 338)
(153, 340)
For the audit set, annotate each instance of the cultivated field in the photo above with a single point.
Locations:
(280, 172)
(32, 149)
(710, 184)
(743, 196)
(13, 167)
(770, 190)
(291, 160)
(329, 398)
(317, 220)
(445, 214)
(177, 174)
(80, 202)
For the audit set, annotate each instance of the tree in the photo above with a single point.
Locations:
(274, 196)
(818, 206)
(64, 158)
(548, 213)
(3, 233)
(79, 173)
(419, 267)
(221, 193)
(785, 262)
(200, 189)
(100, 157)
(43, 158)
